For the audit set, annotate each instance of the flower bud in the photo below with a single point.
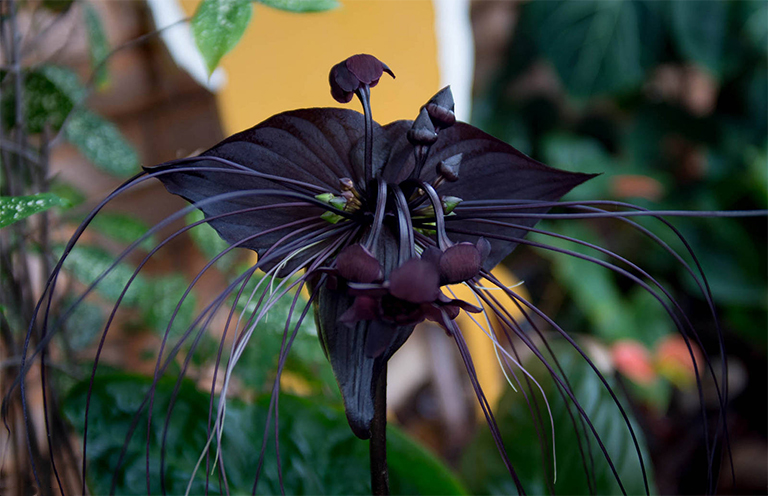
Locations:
(355, 263)
(449, 168)
(459, 263)
(353, 73)
(440, 109)
(422, 132)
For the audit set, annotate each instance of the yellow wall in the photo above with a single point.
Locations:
(283, 60)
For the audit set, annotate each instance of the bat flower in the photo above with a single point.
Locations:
(377, 222)
(371, 201)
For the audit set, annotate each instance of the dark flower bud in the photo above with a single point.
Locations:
(355, 263)
(449, 168)
(363, 308)
(346, 184)
(422, 131)
(416, 281)
(459, 263)
(355, 72)
(440, 109)
(432, 255)
(484, 247)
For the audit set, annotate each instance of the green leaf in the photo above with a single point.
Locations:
(83, 324)
(301, 5)
(596, 46)
(101, 142)
(485, 473)
(319, 453)
(50, 94)
(98, 43)
(755, 26)
(123, 228)
(72, 195)
(580, 154)
(87, 263)
(698, 30)
(209, 242)
(217, 27)
(159, 303)
(16, 208)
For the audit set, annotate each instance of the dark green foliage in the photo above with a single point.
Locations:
(597, 47)
(611, 119)
(50, 94)
(485, 473)
(319, 453)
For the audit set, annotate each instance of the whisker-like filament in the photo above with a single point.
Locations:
(498, 347)
(489, 417)
(491, 300)
(684, 327)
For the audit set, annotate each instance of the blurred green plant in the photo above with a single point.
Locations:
(319, 453)
(669, 101)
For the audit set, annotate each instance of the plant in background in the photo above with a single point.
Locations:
(385, 220)
(378, 222)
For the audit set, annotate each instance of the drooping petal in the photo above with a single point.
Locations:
(356, 263)
(459, 263)
(356, 361)
(363, 308)
(416, 281)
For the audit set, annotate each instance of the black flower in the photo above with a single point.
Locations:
(377, 220)
(376, 190)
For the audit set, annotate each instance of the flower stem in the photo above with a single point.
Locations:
(378, 443)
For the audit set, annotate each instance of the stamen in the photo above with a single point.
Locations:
(442, 238)
(407, 249)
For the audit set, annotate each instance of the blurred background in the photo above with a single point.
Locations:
(667, 100)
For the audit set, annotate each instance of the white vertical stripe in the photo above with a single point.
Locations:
(455, 52)
(181, 44)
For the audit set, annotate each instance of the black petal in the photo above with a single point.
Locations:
(348, 76)
(416, 281)
(316, 146)
(357, 362)
(493, 170)
(357, 264)
(459, 263)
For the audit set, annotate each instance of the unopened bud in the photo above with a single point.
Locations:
(450, 202)
(422, 131)
(346, 184)
(449, 168)
(440, 109)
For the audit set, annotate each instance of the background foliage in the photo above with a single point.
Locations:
(669, 100)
